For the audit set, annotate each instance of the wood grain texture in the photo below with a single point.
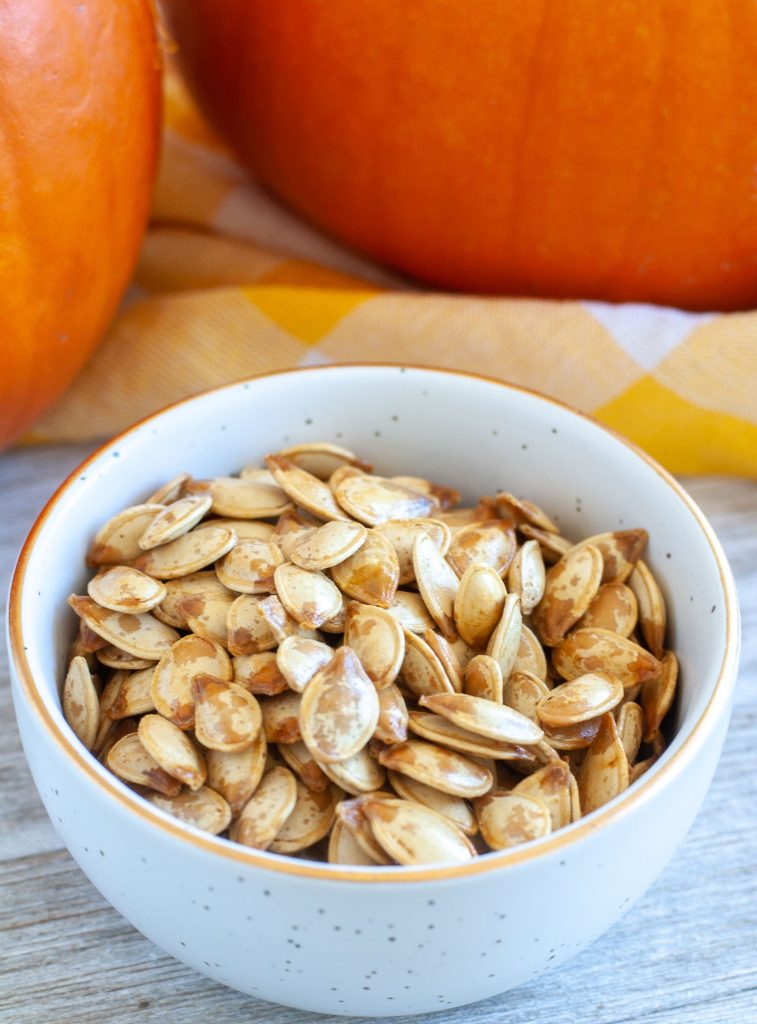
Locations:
(686, 952)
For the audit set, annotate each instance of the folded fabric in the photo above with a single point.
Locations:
(230, 284)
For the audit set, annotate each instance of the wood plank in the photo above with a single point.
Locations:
(685, 952)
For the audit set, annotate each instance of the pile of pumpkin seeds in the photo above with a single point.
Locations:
(315, 660)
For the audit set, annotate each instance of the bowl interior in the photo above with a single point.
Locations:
(470, 433)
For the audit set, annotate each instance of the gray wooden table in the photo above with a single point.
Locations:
(686, 953)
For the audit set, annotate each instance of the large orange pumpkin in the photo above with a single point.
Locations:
(532, 147)
(79, 110)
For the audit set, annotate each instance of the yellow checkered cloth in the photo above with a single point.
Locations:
(230, 284)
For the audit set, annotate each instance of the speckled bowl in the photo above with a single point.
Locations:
(388, 940)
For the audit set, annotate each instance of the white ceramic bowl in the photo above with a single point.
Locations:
(400, 940)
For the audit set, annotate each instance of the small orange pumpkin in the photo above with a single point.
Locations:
(80, 110)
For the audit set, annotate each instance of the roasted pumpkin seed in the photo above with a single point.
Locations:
(204, 809)
(437, 583)
(235, 498)
(140, 635)
(309, 597)
(123, 589)
(371, 574)
(584, 697)
(129, 760)
(504, 642)
(305, 489)
(248, 568)
(478, 604)
(413, 834)
(374, 499)
(490, 543)
(526, 576)
(227, 717)
(117, 541)
(339, 709)
(484, 717)
(570, 587)
(509, 819)
(657, 695)
(483, 678)
(604, 772)
(172, 679)
(439, 767)
(586, 650)
(175, 520)
(187, 554)
(236, 775)
(614, 607)
(172, 750)
(264, 814)
(401, 534)
(80, 704)
(377, 639)
(310, 820)
(328, 545)
(652, 613)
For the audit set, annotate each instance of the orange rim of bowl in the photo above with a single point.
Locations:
(618, 807)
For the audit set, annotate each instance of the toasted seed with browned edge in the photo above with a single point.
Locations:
(392, 721)
(349, 814)
(484, 717)
(227, 717)
(117, 541)
(478, 604)
(504, 642)
(175, 520)
(134, 695)
(236, 776)
(401, 534)
(421, 671)
(140, 635)
(589, 650)
(80, 704)
(526, 576)
(620, 551)
(129, 760)
(310, 820)
(173, 751)
(437, 583)
(413, 834)
(248, 568)
(123, 589)
(281, 722)
(445, 733)
(345, 849)
(187, 554)
(303, 764)
(483, 678)
(454, 808)
(370, 575)
(614, 607)
(259, 673)
(339, 709)
(305, 489)
(205, 809)
(579, 700)
(299, 658)
(172, 679)
(523, 691)
(377, 639)
(551, 785)
(629, 719)
(410, 611)
(604, 772)
(438, 767)
(322, 458)
(572, 737)
(652, 613)
(328, 545)
(360, 773)
(489, 543)
(310, 597)
(570, 587)
(264, 814)
(237, 498)
(521, 510)
(509, 819)
(374, 499)
(657, 695)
